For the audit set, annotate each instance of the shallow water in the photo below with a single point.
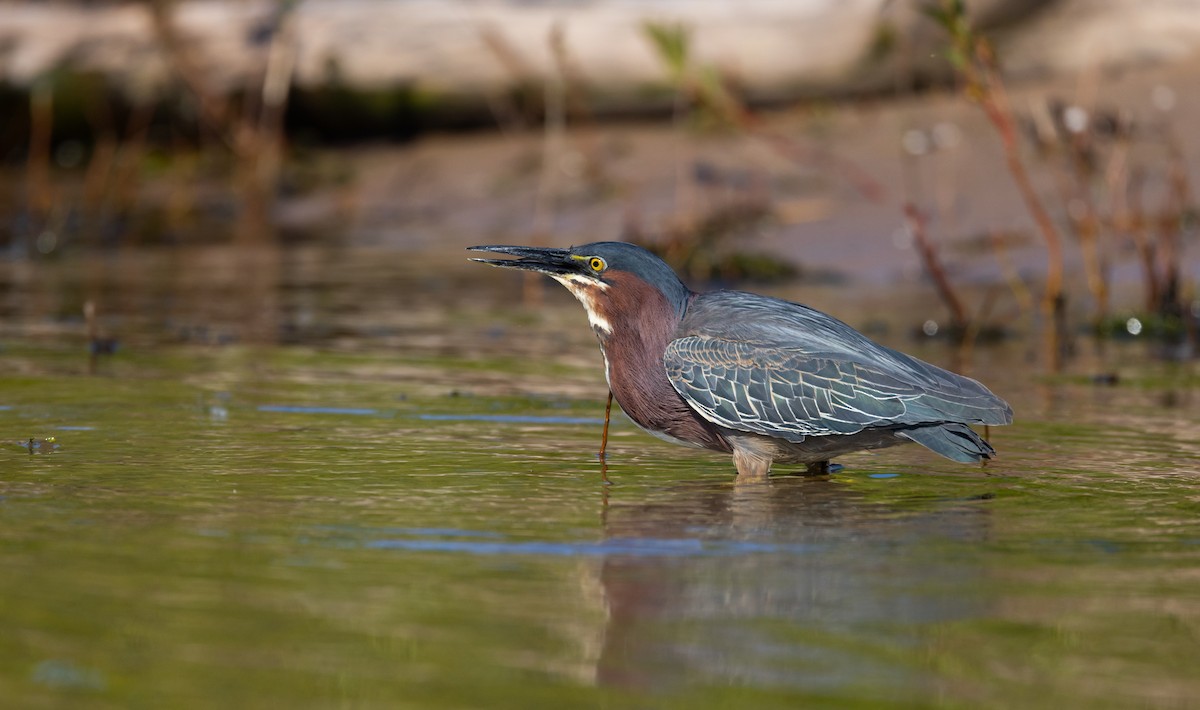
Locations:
(296, 527)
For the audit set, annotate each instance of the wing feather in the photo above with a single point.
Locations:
(777, 368)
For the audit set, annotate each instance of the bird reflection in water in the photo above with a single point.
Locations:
(806, 582)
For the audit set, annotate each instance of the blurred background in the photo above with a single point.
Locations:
(266, 434)
(275, 172)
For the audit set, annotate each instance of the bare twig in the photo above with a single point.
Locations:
(128, 161)
(41, 128)
(1000, 114)
(281, 64)
(509, 115)
(576, 108)
(546, 199)
(1016, 284)
(1177, 201)
(1086, 227)
(1139, 229)
(854, 174)
(254, 134)
(705, 88)
(973, 59)
(215, 110)
(934, 268)
(104, 153)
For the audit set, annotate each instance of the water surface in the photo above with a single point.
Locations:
(300, 527)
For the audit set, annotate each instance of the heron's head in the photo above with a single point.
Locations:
(613, 280)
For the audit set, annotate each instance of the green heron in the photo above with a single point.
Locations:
(763, 379)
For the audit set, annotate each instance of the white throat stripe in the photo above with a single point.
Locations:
(583, 288)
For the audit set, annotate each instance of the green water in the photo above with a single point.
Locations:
(290, 527)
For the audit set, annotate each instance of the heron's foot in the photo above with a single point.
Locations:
(822, 468)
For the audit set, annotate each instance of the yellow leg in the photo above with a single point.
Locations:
(604, 438)
(751, 468)
(607, 415)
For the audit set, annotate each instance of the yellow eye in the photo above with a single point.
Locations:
(597, 264)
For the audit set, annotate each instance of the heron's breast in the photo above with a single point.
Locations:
(643, 323)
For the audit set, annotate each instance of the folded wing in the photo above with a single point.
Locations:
(777, 368)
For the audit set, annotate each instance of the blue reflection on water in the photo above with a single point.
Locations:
(432, 532)
(296, 409)
(63, 674)
(628, 547)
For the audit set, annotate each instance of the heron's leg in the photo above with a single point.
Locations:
(604, 442)
(604, 435)
(818, 468)
(752, 467)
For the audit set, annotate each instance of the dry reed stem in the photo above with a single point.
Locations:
(255, 134)
(215, 110)
(546, 198)
(1087, 232)
(1025, 299)
(127, 164)
(40, 194)
(1177, 200)
(934, 268)
(993, 98)
(504, 108)
(1146, 249)
(998, 111)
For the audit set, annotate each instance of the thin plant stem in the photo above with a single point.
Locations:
(934, 267)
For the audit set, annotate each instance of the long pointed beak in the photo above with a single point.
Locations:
(546, 260)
